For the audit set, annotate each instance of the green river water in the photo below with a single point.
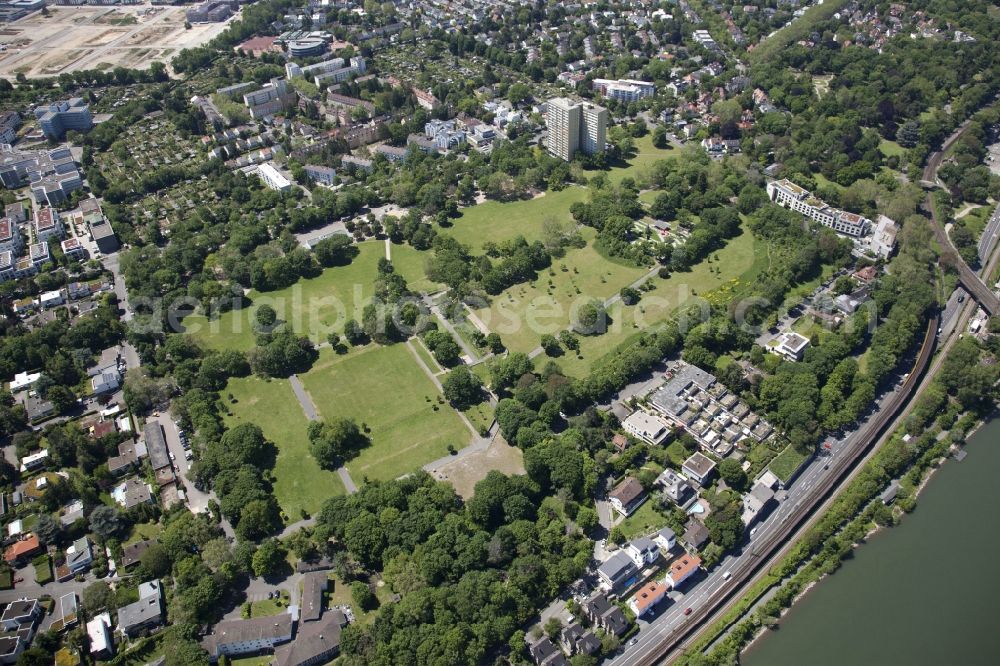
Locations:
(924, 592)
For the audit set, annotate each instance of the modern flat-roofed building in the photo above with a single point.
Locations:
(273, 178)
(883, 239)
(646, 427)
(47, 224)
(791, 196)
(104, 236)
(236, 637)
(322, 175)
(38, 253)
(792, 346)
(212, 11)
(269, 100)
(99, 632)
(9, 122)
(617, 572)
(7, 267)
(625, 90)
(59, 117)
(10, 235)
(574, 126)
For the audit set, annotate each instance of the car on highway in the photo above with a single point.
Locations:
(687, 611)
(727, 575)
(754, 531)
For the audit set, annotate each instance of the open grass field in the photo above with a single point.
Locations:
(526, 311)
(300, 483)
(786, 462)
(497, 222)
(410, 263)
(313, 307)
(646, 154)
(890, 148)
(645, 520)
(385, 389)
(739, 261)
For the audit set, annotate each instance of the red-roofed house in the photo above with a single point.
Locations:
(648, 596)
(23, 549)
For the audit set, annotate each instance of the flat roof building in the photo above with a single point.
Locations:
(273, 178)
(574, 126)
(59, 117)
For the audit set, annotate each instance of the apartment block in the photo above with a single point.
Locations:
(59, 117)
(273, 98)
(624, 90)
(9, 122)
(574, 126)
(47, 224)
(788, 194)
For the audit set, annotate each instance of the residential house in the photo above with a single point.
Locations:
(71, 513)
(792, 346)
(675, 487)
(627, 496)
(132, 552)
(102, 645)
(647, 597)
(698, 468)
(574, 640)
(132, 492)
(34, 461)
(47, 224)
(695, 534)
(605, 615)
(681, 569)
(145, 614)
(245, 636)
(665, 539)
(79, 556)
(21, 551)
(311, 604)
(643, 551)
(544, 653)
(21, 612)
(618, 572)
(126, 460)
(11, 647)
(646, 427)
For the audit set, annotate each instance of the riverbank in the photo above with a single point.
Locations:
(895, 598)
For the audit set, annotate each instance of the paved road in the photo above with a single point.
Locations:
(197, 499)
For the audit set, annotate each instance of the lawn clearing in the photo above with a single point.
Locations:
(481, 416)
(497, 222)
(43, 569)
(313, 307)
(890, 148)
(409, 262)
(786, 463)
(645, 520)
(384, 389)
(524, 312)
(646, 154)
(730, 266)
(301, 484)
(143, 532)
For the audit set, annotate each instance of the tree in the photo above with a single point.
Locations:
(732, 473)
(592, 319)
(265, 317)
(354, 333)
(330, 442)
(48, 529)
(363, 596)
(96, 597)
(494, 343)
(106, 522)
(338, 250)
(156, 561)
(269, 558)
(551, 345)
(462, 388)
(629, 295)
(34, 656)
(258, 518)
(660, 137)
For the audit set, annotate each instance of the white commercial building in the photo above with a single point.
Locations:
(625, 90)
(646, 427)
(883, 239)
(788, 194)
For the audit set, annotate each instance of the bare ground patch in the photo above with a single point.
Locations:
(465, 472)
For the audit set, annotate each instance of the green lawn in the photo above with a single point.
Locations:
(43, 569)
(481, 415)
(890, 148)
(497, 222)
(786, 462)
(645, 520)
(526, 311)
(300, 483)
(384, 389)
(143, 532)
(975, 220)
(313, 307)
(646, 154)
(409, 263)
(269, 607)
(735, 264)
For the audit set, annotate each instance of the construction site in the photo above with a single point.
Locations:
(72, 38)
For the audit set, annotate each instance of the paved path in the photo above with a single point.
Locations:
(310, 410)
(437, 383)
(476, 321)
(388, 249)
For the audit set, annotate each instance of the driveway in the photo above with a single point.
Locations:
(197, 500)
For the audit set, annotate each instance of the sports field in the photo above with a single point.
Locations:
(524, 312)
(313, 307)
(384, 389)
(300, 482)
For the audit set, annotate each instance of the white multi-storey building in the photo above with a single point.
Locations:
(273, 178)
(788, 194)
(625, 90)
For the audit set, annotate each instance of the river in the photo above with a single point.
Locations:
(923, 592)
